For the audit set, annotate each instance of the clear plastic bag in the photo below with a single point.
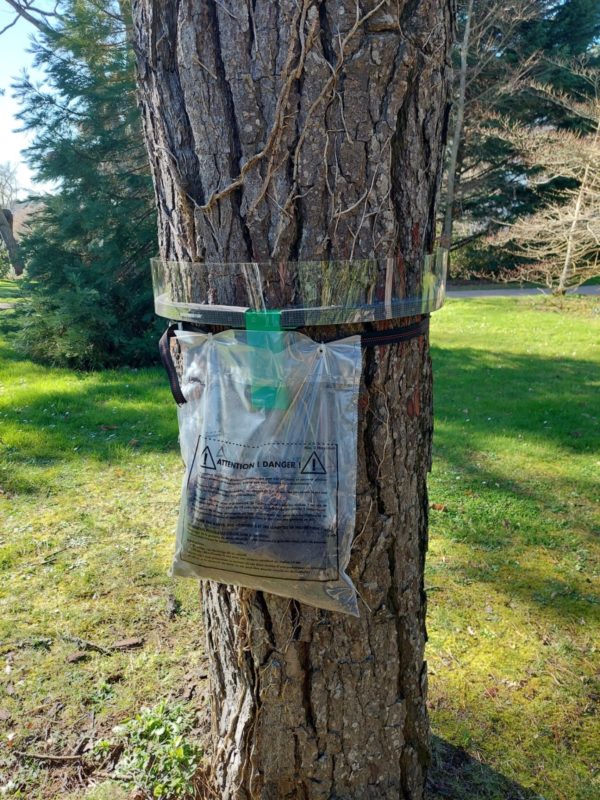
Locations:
(268, 436)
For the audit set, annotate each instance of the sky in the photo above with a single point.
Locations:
(14, 57)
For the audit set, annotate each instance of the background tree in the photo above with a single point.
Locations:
(489, 32)
(314, 130)
(10, 255)
(488, 177)
(9, 188)
(88, 249)
(561, 242)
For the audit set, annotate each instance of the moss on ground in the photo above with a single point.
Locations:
(89, 474)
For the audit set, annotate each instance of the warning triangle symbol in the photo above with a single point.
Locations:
(206, 459)
(221, 452)
(313, 465)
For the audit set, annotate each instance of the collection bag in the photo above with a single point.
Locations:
(268, 430)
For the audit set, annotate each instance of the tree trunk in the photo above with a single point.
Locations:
(7, 236)
(314, 129)
(459, 118)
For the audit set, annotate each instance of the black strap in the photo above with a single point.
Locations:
(164, 348)
(395, 335)
(367, 339)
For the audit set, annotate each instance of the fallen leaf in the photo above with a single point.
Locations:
(439, 507)
(75, 658)
(4, 715)
(128, 644)
(108, 427)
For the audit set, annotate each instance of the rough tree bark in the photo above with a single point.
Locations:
(314, 129)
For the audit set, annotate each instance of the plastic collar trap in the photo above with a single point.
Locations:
(299, 294)
(268, 417)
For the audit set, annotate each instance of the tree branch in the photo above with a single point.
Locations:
(35, 16)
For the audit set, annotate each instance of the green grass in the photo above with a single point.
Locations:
(9, 291)
(89, 473)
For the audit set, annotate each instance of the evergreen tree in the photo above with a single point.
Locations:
(87, 254)
(510, 46)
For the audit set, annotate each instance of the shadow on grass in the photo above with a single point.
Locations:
(487, 406)
(540, 398)
(548, 407)
(101, 423)
(99, 415)
(455, 775)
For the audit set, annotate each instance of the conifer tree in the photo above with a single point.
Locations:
(87, 254)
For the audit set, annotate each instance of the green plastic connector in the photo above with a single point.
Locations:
(263, 320)
(266, 390)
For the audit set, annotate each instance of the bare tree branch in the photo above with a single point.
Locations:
(34, 15)
(10, 25)
(561, 241)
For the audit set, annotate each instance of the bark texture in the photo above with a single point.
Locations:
(314, 129)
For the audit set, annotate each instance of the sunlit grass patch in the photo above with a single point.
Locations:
(513, 562)
(10, 291)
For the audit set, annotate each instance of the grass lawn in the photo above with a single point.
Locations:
(513, 562)
(9, 291)
(89, 472)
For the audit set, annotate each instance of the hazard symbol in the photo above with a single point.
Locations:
(206, 459)
(313, 466)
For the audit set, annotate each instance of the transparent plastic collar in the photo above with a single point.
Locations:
(302, 292)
